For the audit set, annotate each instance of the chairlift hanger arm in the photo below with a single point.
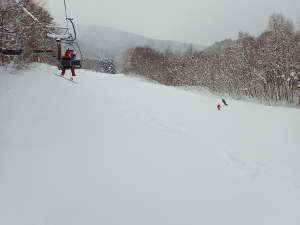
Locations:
(74, 30)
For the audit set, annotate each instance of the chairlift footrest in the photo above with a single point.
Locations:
(11, 51)
(69, 64)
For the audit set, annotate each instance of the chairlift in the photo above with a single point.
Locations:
(65, 39)
(11, 52)
(7, 49)
(69, 64)
(69, 43)
(41, 51)
(74, 62)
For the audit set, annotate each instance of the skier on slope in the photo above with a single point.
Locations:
(224, 102)
(68, 56)
(219, 107)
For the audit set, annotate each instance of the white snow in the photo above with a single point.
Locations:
(116, 150)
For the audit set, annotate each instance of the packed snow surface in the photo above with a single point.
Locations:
(117, 150)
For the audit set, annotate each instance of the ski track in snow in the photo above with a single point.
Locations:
(253, 170)
(256, 169)
(151, 120)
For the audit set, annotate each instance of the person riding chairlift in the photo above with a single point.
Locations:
(68, 56)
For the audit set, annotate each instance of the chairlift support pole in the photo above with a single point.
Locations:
(58, 42)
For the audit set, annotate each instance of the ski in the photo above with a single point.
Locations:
(69, 79)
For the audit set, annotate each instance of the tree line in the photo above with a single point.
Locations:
(266, 67)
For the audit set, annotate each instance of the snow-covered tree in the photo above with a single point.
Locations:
(266, 67)
(24, 26)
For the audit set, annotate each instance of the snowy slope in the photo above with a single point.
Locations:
(115, 150)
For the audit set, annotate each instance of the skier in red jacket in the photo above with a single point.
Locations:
(68, 56)
(219, 107)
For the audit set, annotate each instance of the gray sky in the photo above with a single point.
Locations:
(197, 21)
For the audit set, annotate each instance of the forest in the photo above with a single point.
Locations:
(265, 68)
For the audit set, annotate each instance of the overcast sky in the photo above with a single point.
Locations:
(196, 21)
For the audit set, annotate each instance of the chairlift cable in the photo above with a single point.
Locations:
(66, 14)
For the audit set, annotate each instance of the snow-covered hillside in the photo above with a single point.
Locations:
(116, 150)
(99, 41)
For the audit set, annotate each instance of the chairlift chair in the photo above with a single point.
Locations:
(41, 51)
(74, 63)
(66, 39)
(11, 52)
(69, 64)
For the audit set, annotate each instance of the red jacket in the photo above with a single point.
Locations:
(68, 54)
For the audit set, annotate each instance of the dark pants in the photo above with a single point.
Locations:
(67, 64)
(63, 71)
